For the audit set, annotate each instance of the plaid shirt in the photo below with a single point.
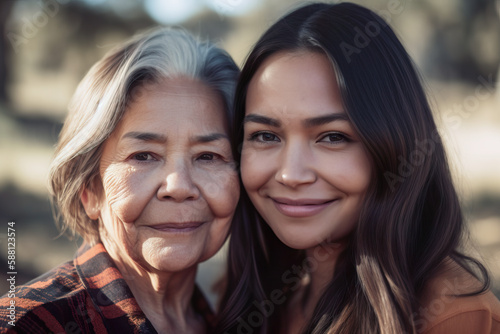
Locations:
(86, 295)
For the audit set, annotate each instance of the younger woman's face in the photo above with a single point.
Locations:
(303, 165)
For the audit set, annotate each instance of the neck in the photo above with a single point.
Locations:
(322, 260)
(164, 297)
(325, 256)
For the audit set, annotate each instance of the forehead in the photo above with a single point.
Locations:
(174, 104)
(290, 83)
(289, 64)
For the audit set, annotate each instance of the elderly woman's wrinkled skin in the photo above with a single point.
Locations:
(169, 188)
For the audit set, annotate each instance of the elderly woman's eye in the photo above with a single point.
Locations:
(208, 156)
(143, 156)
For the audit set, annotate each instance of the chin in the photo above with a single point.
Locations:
(172, 259)
(298, 243)
(173, 264)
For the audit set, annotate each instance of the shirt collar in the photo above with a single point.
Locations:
(111, 295)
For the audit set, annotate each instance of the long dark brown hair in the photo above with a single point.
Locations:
(411, 220)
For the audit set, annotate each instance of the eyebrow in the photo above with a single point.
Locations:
(209, 138)
(321, 120)
(262, 120)
(146, 136)
(154, 137)
(309, 122)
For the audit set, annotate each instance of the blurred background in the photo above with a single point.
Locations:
(47, 46)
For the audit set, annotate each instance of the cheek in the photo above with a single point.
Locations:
(361, 172)
(255, 169)
(127, 191)
(221, 190)
(352, 172)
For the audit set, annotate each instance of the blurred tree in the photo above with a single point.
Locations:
(5, 9)
(465, 42)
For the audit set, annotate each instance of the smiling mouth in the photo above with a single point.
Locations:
(178, 227)
(301, 207)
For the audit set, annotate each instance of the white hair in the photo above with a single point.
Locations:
(101, 99)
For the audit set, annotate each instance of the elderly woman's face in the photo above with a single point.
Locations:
(169, 183)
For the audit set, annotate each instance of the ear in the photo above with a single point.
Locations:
(90, 203)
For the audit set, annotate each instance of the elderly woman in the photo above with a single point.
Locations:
(144, 173)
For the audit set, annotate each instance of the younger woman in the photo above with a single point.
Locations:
(358, 226)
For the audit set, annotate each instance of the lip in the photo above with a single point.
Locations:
(305, 207)
(179, 227)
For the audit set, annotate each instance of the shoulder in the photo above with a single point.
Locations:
(443, 309)
(43, 303)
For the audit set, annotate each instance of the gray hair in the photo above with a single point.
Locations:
(100, 102)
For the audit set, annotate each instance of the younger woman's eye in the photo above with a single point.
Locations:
(264, 137)
(334, 138)
(143, 156)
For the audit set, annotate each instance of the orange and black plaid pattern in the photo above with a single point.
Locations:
(86, 295)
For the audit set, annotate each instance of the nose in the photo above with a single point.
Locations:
(178, 184)
(296, 166)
